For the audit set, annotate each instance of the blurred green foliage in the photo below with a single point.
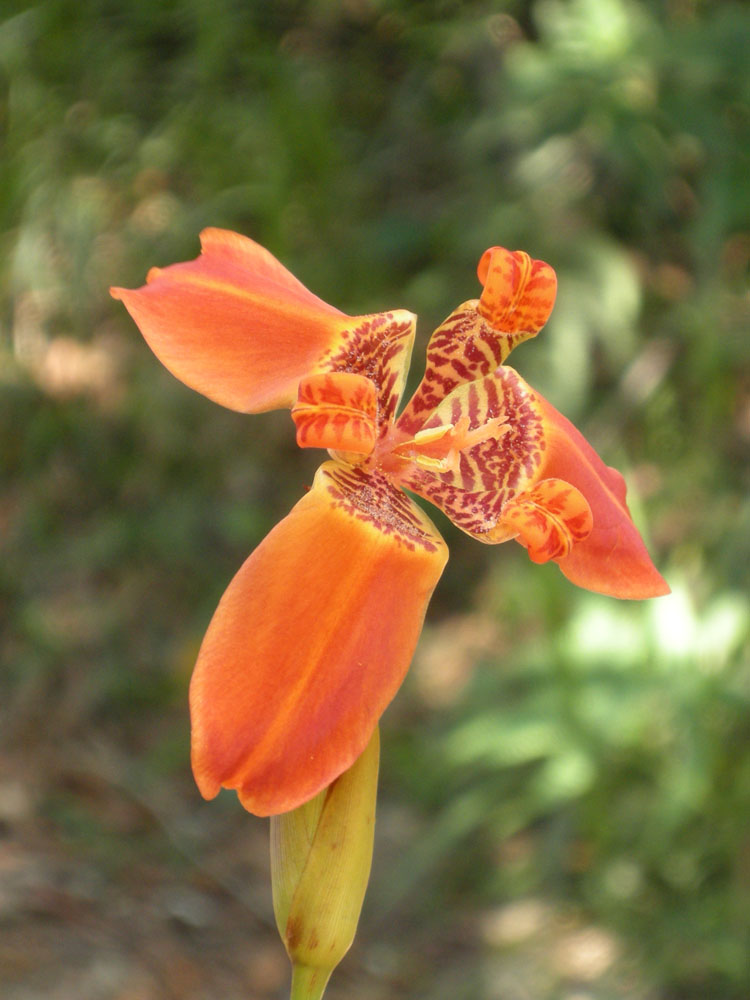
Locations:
(598, 757)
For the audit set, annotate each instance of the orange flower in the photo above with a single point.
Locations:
(313, 637)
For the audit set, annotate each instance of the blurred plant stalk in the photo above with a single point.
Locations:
(321, 855)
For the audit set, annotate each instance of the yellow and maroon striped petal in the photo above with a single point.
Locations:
(478, 336)
(490, 449)
(237, 326)
(483, 457)
(379, 347)
(311, 641)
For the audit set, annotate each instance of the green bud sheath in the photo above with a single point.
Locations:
(321, 854)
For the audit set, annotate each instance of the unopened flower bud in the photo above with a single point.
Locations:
(321, 854)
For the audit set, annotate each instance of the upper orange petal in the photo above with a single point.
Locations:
(234, 324)
(311, 641)
(613, 559)
(238, 327)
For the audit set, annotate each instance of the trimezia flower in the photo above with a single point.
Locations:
(313, 636)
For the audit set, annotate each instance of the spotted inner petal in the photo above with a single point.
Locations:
(378, 347)
(477, 450)
(479, 335)
(462, 349)
(337, 410)
(370, 496)
(548, 519)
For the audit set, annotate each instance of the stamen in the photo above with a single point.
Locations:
(437, 464)
(439, 448)
(429, 434)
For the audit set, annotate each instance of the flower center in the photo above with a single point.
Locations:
(439, 448)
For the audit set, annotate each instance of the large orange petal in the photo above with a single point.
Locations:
(311, 641)
(613, 559)
(234, 324)
(238, 327)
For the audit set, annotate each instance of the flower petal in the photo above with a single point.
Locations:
(478, 336)
(337, 410)
(237, 326)
(548, 520)
(489, 444)
(613, 559)
(379, 347)
(311, 641)
(490, 451)
(519, 292)
(234, 324)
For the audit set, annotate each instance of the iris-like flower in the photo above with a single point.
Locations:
(315, 633)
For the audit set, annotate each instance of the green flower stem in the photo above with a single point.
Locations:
(308, 983)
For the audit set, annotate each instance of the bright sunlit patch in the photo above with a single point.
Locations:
(604, 632)
(706, 639)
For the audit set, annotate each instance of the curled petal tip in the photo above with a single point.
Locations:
(337, 410)
(519, 292)
(549, 520)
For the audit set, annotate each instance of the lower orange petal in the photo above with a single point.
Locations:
(612, 560)
(311, 641)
